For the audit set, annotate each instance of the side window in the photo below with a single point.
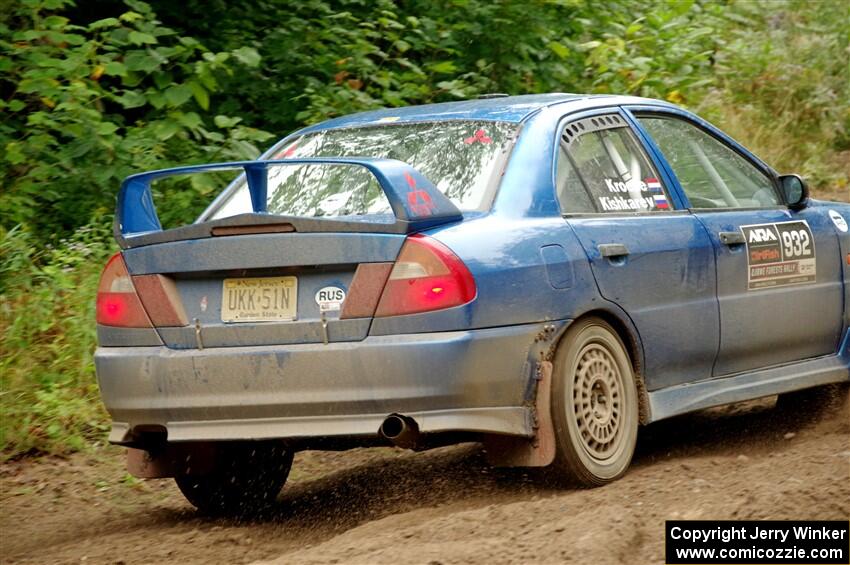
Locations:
(711, 173)
(601, 168)
(571, 192)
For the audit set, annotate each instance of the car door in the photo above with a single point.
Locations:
(778, 270)
(653, 260)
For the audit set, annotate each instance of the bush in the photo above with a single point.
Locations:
(84, 106)
(48, 395)
(784, 91)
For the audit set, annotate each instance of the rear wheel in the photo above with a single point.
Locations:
(594, 404)
(245, 479)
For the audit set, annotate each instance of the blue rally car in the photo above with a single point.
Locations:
(542, 274)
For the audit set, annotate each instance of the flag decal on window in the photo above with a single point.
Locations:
(661, 202)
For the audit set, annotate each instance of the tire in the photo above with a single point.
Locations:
(245, 480)
(594, 405)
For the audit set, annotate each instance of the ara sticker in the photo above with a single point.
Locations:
(838, 220)
(389, 119)
(330, 298)
(779, 254)
(480, 136)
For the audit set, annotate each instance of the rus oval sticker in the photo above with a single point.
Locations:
(838, 220)
(330, 298)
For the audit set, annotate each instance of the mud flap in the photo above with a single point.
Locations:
(171, 460)
(539, 450)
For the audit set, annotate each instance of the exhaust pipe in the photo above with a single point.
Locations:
(402, 431)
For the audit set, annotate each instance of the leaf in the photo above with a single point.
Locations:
(225, 122)
(132, 99)
(131, 16)
(106, 128)
(189, 120)
(675, 97)
(140, 61)
(178, 95)
(55, 22)
(163, 80)
(105, 22)
(443, 67)
(203, 184)
(247, 56)
(559, 49)
(200, 94)
(634, 28)
(156, 99)
(141, 38)
(14, 155)
(588, 45)
(206, 78)
(166, 129)
(115, 68)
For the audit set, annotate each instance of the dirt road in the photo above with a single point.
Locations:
(445, 506)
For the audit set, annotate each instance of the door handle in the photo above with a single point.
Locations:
(731, 238)
(612, 250)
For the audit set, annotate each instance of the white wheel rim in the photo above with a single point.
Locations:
(598, 401)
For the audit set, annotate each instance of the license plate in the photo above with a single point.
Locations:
(259, 299)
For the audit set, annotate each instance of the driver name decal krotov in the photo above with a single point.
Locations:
(779, 254)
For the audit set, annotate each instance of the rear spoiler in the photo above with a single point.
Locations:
(416, 203)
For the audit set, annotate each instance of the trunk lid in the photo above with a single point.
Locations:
(313, 261)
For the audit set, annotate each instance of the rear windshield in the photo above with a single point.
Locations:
(462, 158)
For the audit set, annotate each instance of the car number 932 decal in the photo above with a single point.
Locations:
(779, 254)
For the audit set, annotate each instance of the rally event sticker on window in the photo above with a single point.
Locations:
(779, 254)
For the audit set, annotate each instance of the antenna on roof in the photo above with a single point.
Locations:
(492, 95)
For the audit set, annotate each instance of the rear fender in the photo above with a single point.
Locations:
(628, 332)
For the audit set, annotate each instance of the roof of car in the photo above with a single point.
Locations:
(501, 108)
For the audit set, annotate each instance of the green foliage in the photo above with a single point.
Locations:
(322, 59)
(786, 95)
(87, 105)
(666, 52)
(92, 93)
(48, 396)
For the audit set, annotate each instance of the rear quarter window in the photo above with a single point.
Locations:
(602, 168)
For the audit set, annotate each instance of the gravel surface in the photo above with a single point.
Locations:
(749, 461)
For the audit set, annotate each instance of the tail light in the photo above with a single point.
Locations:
(117, 301)
(426, 276)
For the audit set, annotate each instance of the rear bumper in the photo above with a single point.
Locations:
(475, 380)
